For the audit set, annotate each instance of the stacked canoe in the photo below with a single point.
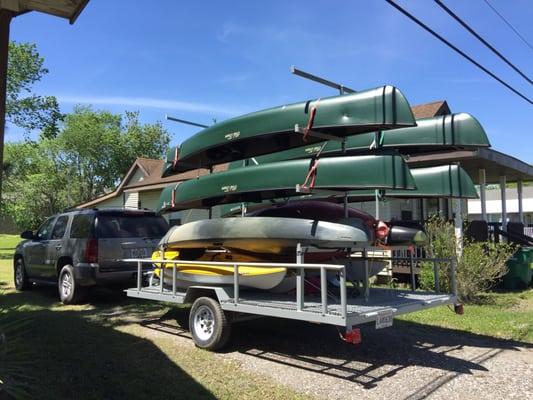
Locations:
(341, 148)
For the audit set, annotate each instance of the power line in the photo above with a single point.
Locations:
(509, 25)
(462, 53)
(465, 25)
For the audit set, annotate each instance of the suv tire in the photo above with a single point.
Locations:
(19, 275)
(70, 291)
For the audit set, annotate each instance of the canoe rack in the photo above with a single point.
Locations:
(341, 309)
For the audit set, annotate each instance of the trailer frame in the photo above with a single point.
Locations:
(379, 305)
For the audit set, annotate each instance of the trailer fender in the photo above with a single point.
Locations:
(218, 293)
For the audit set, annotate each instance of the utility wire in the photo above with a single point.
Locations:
(465, 25)
(462, 53)
(509, 25)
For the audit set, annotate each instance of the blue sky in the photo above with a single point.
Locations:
(215, 59)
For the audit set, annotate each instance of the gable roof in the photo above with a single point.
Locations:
(430, 110)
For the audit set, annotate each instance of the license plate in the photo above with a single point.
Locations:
(139, 253)
(384, 319)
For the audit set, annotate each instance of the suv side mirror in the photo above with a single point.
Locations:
(27, 235)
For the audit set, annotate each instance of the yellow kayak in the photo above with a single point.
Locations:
(212, 274)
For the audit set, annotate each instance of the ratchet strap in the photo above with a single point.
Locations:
(311, 120)
(176, 157)
(311, 173)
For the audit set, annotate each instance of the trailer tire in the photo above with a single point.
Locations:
(208, 324)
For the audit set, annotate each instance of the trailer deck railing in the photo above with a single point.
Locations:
(340, 311)
(300, 277)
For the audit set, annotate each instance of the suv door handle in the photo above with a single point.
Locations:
(58, 246)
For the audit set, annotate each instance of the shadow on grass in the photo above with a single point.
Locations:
(76, 355)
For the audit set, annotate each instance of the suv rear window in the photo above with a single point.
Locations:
(130, 226)
(81, 226)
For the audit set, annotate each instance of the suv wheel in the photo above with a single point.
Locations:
(70, 291)
(20, 277)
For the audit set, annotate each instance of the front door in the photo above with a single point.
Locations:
(54, 247)
(36, 250)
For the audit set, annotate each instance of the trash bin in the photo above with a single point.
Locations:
(519, 269)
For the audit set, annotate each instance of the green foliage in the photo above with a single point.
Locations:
(479, 268)
(89, 156)
(24, 108)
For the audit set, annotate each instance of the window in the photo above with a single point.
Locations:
(60, 227)
(131, 226)
(81, 226)
(44, 231)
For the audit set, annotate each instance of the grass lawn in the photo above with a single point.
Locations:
(99, 350)
(7, 245)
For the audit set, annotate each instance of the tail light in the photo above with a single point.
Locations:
(382, 230)
(91, 251)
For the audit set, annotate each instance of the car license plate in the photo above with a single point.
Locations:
(384, 319)
(139, 253)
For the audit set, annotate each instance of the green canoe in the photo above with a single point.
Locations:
(276, 180)
(454, 131)
(446, 181)
(272, 130)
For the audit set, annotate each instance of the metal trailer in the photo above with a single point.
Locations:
(214, 308)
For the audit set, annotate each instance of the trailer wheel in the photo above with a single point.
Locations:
(208, 324)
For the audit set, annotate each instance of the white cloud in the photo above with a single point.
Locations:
(149, 102)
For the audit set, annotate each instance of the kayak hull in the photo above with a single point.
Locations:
(212, 275)
(263, 235)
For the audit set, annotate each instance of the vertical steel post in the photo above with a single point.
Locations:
(366, 276)
(139, 276)
(324, 290)
(174, 278)
(345, 203)
(342, 276)
(412, 270)
(235, 283)
(300, 277)
(453, 268)
(162, 277)
(436, 274)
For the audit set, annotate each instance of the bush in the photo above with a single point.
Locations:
(479, 268)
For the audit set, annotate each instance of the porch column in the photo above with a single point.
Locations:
(482, 195)
(458, 222)
(414, 214)
(520, 206)
(442, 207)
(424, 209)
(503, 184)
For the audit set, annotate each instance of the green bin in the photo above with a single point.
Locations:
(519, 269)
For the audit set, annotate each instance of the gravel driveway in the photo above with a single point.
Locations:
(408, 361)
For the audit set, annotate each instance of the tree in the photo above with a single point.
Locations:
(23, 107)
(89, 156)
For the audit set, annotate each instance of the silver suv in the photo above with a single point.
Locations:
(83, 248)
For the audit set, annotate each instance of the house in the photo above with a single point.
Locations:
(140, 189)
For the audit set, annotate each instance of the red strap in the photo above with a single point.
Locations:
(311, 174)
(311, 120)
(176, 157)
(173, 198)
